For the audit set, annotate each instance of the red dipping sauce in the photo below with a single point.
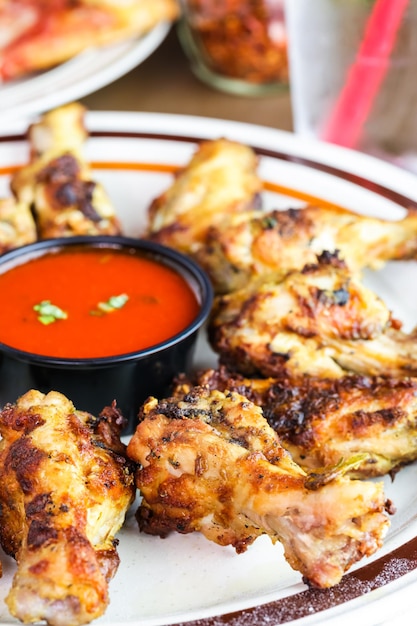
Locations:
(153, 303)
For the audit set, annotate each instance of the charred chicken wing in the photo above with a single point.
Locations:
(210, 463)
(319, 321)
(220, 179)
(323, 421)
(57, 182)
(257, 244)
(65, 486)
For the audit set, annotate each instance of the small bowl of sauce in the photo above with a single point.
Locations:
(98, 319)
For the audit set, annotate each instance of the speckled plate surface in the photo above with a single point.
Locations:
(187, 578)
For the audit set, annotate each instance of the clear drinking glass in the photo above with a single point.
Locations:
(353, 68)
(238, 46)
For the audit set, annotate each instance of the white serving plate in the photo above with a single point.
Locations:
(187, 578)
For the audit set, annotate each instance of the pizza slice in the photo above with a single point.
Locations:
(38, 34)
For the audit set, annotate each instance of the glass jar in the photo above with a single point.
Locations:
(353, 74)
(238, 46)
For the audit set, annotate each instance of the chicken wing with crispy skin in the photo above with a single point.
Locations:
(323, 421)
(210, 463)
(320, 321)
(65, 487)
(219, 180)
(58, 184)
(257, 244)
(17, 226)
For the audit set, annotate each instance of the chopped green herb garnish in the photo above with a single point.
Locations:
(116, 302)
(49, 313)
(269, 222)
(113, 303)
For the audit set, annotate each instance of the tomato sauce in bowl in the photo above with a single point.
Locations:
(100, 319)
(113, 301)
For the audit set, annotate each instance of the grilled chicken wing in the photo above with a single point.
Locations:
(57, 182)
(220, 179)
(257, 244)
(323, 421)
(65, 486)
(211, 463)
(319, 321)
(17, 226)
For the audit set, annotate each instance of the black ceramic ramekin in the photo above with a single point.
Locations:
(93, 383)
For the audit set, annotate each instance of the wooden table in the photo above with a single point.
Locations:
(164, 83)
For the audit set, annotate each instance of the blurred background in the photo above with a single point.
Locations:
(164, 83)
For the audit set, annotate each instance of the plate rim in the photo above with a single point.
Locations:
(95, 122)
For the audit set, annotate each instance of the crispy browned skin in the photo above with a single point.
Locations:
(17, 226)
(57, 182)
(255, 244)
(319, 321)
(323, 421)
(53, 31)
(219, 180)
(65, 487)
(211, 463)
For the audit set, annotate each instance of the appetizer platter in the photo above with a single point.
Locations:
(289, 495)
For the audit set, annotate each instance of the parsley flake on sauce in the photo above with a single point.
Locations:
(49, 313)
(113, 303)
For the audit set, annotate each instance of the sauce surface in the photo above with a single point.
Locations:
(159, 303)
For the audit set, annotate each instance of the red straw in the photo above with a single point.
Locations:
(366, 74)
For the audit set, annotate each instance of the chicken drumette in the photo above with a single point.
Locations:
(65, 487)
(211, 463)
(220, 179)
(257, 244)
(57, 183)
(319, 321)
(323, 421)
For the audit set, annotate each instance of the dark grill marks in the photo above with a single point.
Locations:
(26, 423)
(59, 170)
(23, 459)
(39, 534)
(65, 188)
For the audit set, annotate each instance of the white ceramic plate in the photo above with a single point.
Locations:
(76, 78)
(184, 578)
